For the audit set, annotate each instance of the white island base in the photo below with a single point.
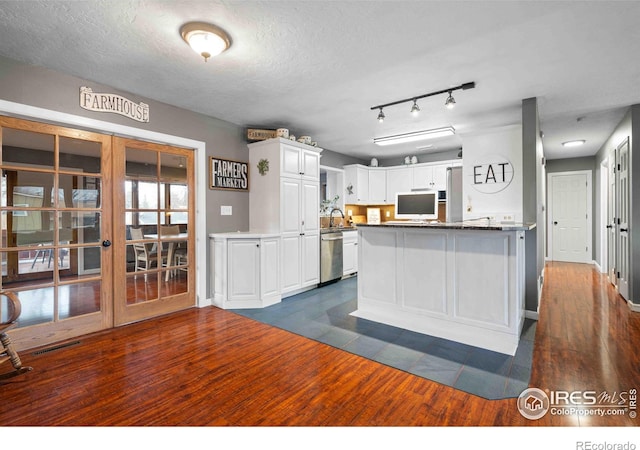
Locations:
(461, 284)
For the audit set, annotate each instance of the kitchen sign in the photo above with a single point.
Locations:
(492, 175)
(226, 174)
(100, 102)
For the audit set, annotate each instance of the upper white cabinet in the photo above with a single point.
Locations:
(379, 185)
(398, 180)
(356, 181)
(298, 161)
(430, 177)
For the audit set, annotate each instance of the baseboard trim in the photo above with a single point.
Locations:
(533, 315)
(633, 306)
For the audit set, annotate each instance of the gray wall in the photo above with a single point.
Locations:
(533, 201)
(424, 158)
(338, 160)
(628, 127)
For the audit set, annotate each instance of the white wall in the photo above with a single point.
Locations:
(483, 148)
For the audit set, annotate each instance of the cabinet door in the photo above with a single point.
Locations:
(290, 201)
(310, 163)
(290, 160)
(377, 186)
(362, 185)
(244, 269)
(291, 272)
(398, 180)
(269, 267)
(440, 177)
(310, 206)
(423, 177)
(310, 259)
(348, 260)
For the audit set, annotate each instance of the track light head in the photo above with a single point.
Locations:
(415, 109)
(450, 102)
(381, 116)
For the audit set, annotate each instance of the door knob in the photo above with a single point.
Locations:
(106, 243)
(609, 226)
(555, 223)
(624, 230)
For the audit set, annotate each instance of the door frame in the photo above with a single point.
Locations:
(589, 238)
(71, 120)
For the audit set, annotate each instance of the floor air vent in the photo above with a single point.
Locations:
(56, 347)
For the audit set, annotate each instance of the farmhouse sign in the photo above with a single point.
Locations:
(94, 101)
(225, 174)
(492, 175)
(254, 134)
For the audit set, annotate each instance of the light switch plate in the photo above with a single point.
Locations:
(226, 210)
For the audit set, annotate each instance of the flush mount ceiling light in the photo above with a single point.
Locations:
(573, 143)
(449, 103)
(415, 136)
(205, 39)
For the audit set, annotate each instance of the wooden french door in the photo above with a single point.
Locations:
(154, 215)
(56, 230)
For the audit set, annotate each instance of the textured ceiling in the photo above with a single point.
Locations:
(317, 67)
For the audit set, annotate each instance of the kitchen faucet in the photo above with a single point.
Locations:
(331, 216)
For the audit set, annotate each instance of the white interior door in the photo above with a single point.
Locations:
(571, 216)
(612, 244)
(622, 263)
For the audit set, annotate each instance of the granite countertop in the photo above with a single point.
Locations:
(482, 224)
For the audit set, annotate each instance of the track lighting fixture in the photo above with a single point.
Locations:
(415, 109)
(449, 103)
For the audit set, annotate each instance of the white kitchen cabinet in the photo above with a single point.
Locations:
(299, 161)
(430, 177)
(398, 180)
(377, 186)
(245, 270)
(356, 181)
(286, 200)
(349, 252)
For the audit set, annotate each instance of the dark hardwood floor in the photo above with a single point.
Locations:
(213, 367)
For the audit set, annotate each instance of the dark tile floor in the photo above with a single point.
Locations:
(323, 315)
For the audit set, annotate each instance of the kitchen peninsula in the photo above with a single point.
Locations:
(459, 281)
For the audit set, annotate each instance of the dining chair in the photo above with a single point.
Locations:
(145, 253)
(7, 352)
(177, 253)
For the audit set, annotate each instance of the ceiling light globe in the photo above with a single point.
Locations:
(205, 39)
(415, 109)
(381, 116)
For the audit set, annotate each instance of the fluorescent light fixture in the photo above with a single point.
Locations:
(573, 143)
(415, 136)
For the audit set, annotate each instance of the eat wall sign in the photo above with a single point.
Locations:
(492, 175)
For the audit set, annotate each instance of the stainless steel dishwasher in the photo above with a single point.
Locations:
(330, 256)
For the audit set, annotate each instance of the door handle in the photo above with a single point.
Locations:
(106, 243)
(624, 229)
(555, 223)
(609, 226)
